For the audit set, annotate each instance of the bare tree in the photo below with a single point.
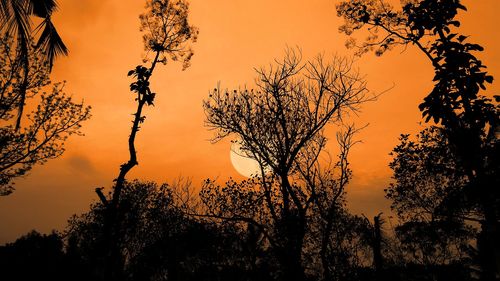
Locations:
(55, 115)
(337, 232)
(279, 124)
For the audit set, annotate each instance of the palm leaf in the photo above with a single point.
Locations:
(50, 42)
(4, 11)
(42, 8)
(17, 20)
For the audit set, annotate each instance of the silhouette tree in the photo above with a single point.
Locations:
(436, 243)
(55, 115)
(427, 177)
(332, 230)
(158, 239)
(470, 121)
(337, 247)
(167, 35)
(378, 260)
(146, 209)
(278, 124)
(15, 22)
(33, 256)
(427, 197)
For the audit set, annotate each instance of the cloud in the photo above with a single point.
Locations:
(81, 164)
(365, 195)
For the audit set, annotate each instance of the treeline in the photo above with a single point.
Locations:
(166, 234)
(290, 222)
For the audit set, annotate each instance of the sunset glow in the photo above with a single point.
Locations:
(235, 37)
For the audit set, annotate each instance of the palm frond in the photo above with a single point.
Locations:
(50, 42)
(17, 20)
(42, 8)
(4, 11)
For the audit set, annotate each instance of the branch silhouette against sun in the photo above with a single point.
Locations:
(280, 124)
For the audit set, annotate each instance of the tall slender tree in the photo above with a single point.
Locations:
(167, 36)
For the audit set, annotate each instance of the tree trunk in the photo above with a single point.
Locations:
(488, 245)
(378, 261)
(291, 262)
(291, 229)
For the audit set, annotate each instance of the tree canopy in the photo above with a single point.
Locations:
(54, 116)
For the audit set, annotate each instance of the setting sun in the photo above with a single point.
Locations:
(144, 92)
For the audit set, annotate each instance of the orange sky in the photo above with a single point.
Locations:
(235, 36)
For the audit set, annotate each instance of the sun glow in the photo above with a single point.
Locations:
(244, 165)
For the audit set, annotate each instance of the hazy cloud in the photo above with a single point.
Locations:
(81, 164)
